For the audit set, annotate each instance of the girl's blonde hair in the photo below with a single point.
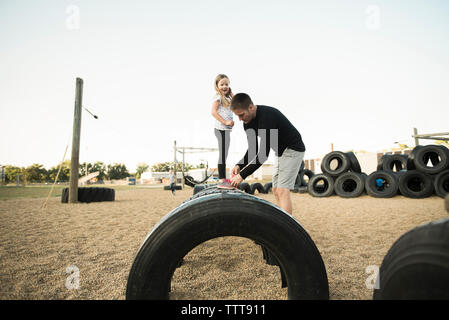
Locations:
(225, 99)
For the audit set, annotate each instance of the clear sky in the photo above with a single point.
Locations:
(358, 74)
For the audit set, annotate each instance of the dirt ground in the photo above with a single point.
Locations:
(40, 249)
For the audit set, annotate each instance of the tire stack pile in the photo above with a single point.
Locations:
(419, 175)
(345, 178)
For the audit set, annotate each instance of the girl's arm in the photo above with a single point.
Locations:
(215, 114)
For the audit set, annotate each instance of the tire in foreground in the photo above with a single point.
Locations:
(417, 265)
(221, 213)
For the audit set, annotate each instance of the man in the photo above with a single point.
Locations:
(276, 132)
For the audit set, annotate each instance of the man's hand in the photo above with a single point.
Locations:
(236, 180)
(235, 171)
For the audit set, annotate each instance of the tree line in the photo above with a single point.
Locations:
(37, 173)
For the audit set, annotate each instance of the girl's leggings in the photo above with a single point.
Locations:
(224, 140)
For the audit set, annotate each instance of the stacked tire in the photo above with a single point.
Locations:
(419, 175)
(341, 174)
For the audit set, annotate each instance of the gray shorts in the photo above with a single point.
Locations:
(286, 168)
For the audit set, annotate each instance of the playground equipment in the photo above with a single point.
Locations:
(429, 136)
(184, 151)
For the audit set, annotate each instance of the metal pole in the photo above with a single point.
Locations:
(182, 179)
(74, 164)
(174, 163)
(415, 133)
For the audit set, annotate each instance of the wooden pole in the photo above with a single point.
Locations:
(74, 164)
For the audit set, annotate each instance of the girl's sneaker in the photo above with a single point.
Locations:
(226, 184)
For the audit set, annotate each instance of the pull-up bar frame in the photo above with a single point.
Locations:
(183, 151)
(429, 136)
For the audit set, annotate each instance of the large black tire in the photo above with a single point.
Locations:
(227, 213)
(394, 162)
(417, 265)
(257, 186)
(438, 155)
(350, 185)
(355, 165)
(92, 194)
(441, 183)
(382, 184)
(415, 184)
(343, 163)
(321, 185)
(268, 186)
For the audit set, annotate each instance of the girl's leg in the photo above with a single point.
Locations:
(220, 134)
(227, 143)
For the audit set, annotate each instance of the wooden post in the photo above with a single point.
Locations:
(415, 133)
(74, 164)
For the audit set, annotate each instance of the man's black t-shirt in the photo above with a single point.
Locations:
(275, 132)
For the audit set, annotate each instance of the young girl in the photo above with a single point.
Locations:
(223, 115)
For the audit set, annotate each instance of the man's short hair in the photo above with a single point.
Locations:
(241, 101)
